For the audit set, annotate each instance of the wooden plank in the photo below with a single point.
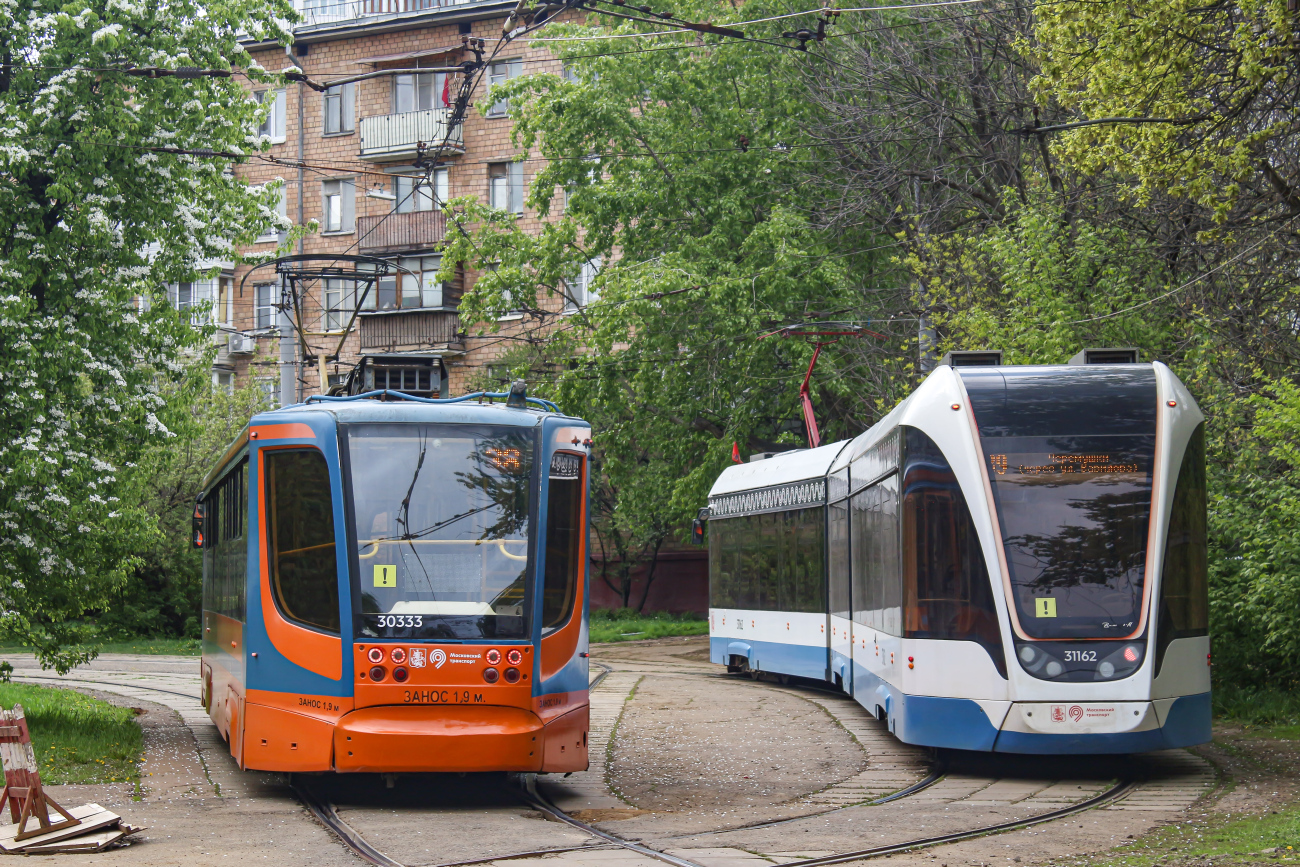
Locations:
(92, 842)
(92, 816)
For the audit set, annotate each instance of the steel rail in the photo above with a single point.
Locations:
(1114, 793)
(328, 816)
(937, 772)
(531, 796)
(101, 683)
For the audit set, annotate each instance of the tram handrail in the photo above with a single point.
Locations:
(500, 543)
(547, 405)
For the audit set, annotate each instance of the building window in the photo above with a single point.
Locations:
(500, 73)
(506, 187)
(340, 300)
(273, 126)
(224, 380)
(414, 194)
(264, 299)
(195, 299)
(339, 203)
(421, 92)
(581, 291)
(270, 388)
(271, 232)
(414, 286)
(409, 380)
(340, 101)
(225, 300)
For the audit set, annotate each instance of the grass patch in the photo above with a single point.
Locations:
(1262, 712)
(77, 739)
(626, 625)
(1242, 837)
(143, 646)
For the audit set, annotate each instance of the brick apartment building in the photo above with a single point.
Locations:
(359, 142)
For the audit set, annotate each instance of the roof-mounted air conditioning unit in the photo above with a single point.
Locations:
(240, 344)
(1127, 355)
(973, 358)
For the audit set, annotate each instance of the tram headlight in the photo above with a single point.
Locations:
(1053, 668)
(1106, 669)
(375, 655)
(491, 675)
(514, 657)
(512, 675)
(493, 656)
(377, 673)
(398, 655)
(1027, 654)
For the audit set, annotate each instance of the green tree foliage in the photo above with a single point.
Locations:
(1040, 286)
(676, 169)
(162, 597)
(1255, 526)
(96, 213)
(1190, 98)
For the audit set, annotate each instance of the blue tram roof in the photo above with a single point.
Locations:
(361, 410)
(385, 411)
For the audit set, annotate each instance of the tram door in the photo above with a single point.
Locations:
(840, 608)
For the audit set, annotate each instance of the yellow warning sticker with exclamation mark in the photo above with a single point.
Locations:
(386, 576)
(1044, 606)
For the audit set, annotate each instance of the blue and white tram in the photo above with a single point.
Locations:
(1013, 559)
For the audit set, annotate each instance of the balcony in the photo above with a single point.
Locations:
(316, 12)
(387, 137)
(410, 329)
(401, 233)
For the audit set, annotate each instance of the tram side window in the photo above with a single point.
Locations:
(769, 562)
(876, 592)
(839, 558)
(947, 592)
(1184, 595)
(564, 564)
(225, 552)
(300, 523)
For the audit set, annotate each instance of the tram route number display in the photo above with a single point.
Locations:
(1053, 464)
(441, 696)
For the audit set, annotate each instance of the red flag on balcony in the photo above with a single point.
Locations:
(735, 453)
(446, 91)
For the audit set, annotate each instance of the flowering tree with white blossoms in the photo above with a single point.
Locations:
(109, 189)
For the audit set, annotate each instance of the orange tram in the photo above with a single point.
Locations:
(399, 584)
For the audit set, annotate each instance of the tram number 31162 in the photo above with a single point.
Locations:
(441, 696)
(1080, 656)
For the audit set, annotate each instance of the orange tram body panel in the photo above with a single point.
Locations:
(399, 585)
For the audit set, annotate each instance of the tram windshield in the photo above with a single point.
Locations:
(1074, 514)
(1069, 455)
(442, 521)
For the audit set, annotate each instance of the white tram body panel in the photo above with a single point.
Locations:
(1013, 559)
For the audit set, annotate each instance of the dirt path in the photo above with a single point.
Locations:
(679, 749)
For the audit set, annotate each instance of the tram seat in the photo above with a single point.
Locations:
(434, 738)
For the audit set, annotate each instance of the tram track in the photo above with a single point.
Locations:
(326, 813)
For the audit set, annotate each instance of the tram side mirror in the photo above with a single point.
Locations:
(196, 523)
(697, 526)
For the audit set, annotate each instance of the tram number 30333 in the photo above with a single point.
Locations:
(441, 696)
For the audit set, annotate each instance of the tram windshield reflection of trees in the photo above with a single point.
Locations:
(442, 521)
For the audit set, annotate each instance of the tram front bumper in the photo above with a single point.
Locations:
(438, 738)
